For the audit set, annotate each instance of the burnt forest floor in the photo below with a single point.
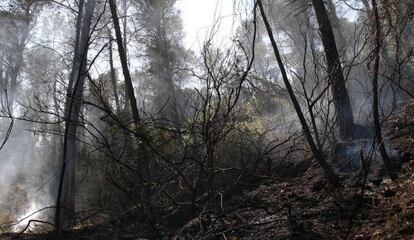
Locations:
(305, 207)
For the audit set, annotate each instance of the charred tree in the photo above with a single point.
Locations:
(340, 94)
(375, 104)
(72, 79)
(331, 176)
(65, 204)
(144, 165)
(124, 62)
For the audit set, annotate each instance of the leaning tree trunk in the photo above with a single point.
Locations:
(65, 204)
(375, 104)
(339, 91)
(317, 153)
(125, 44)
(125, 70)
(144, 164)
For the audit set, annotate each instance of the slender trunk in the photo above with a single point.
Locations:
(336, 79)
(375, 107)
(65, 204)
(144, 164)
(113, 74)
(125, 11)
(317, 153)
(122, 55)
(76, 56)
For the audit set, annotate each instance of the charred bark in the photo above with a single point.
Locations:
(65, 204)
(125, 69)
(317, 153)
(143, 162)
(69, 89)
(375, 104)
(340, 94)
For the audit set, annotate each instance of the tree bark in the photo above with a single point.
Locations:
(76, 56)
(125, 27)
(317, 153)
(65, 204)
(122, 55)
(336, 79)
(143, 162)
(375, 104)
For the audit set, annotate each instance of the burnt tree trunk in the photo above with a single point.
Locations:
(143, 161)
(65, 204)
(69, 89)
(375, 103)
(125, 69)
(336, 79)
(125, 44)
(317, 153)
